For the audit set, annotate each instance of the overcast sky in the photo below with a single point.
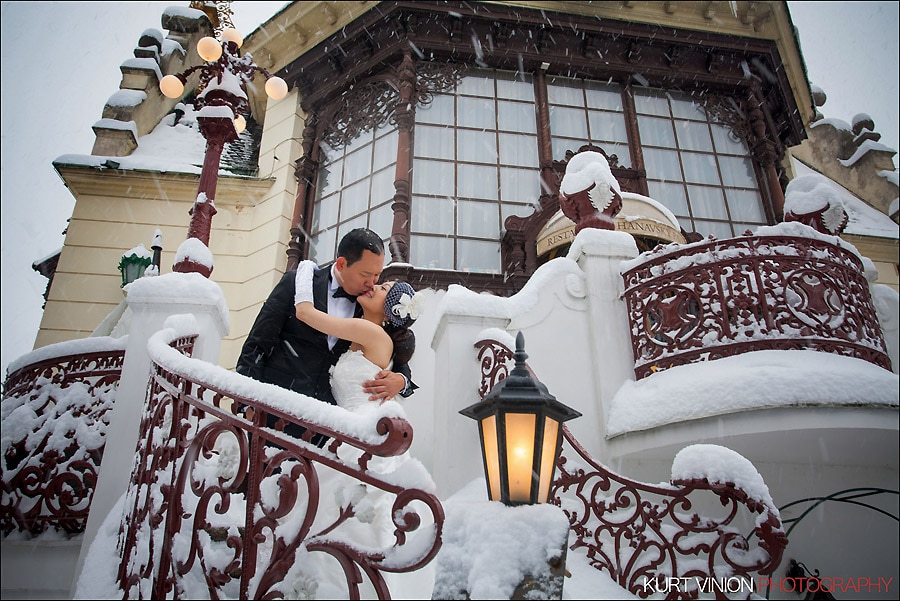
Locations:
(55, 85)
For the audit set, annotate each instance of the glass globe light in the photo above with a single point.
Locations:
(240, 124)
(171, 86)
(276, 88)
(230, 34)
(209, 49)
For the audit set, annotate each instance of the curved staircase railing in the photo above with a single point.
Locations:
(221, 506)
(54, 415)
(647, 537)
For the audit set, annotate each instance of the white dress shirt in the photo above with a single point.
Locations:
(339, 307)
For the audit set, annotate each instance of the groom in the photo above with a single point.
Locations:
(282, 350)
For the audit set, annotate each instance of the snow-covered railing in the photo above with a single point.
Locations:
(719, 298)
(54, 416)
(647, 537)
(683, 539)
(221, 506)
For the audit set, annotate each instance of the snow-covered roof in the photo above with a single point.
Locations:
(865, 220)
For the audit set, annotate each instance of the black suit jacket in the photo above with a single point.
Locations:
(280, 349)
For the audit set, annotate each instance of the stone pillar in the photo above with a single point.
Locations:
(456, 445)
(599, 254)
(151, 301)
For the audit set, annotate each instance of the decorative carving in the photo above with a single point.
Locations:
(676, 56)
(725, 110)
(373, 102)
(595, 199)
(361, 109)
(434, 77)
(826, 214)
(633, 52)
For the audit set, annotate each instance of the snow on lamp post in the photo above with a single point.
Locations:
(222, 103)
(520, 425)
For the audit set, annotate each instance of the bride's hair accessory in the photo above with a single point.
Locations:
(402, 305)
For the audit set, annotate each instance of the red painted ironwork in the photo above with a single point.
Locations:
(721, 298)
(215, 510)
(218, 131)
(49, 471)
(580, 208)
(642, 535)
(494, 358)
(587, 208)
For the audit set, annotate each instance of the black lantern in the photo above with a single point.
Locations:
(520, 426)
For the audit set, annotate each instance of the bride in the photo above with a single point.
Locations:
(379, 339)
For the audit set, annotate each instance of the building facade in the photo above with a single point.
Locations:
(447, 128)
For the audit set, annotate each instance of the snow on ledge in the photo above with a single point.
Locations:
(755, 380)
(95, 344)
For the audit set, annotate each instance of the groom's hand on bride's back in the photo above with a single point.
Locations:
(385, 386)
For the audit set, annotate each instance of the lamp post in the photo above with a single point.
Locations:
(222, 103)
(519, 423)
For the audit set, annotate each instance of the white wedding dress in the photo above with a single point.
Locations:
(347, 377)
(317, 575)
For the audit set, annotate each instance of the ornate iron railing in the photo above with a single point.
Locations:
(647, 536)
(222, 506)
(54, 415)
(725, 297)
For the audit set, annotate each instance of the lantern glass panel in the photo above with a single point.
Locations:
(520, 455)
(551, 440)
(492, 463)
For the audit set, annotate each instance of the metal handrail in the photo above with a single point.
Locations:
(643, 534)
(228, 505)
(50, 467)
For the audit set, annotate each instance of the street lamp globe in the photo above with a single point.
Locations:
(230, 34)
(240, 124)
(276, 88)
(209, 49)
(171, 86)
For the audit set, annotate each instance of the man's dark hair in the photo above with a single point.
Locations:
(356, 241)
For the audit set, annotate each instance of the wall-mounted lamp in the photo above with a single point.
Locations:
(133, 263)
(519, 423)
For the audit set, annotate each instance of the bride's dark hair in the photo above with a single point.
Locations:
(404, 343)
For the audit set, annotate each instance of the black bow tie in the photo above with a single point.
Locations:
(341, 293)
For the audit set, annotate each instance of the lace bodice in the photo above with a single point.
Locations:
(347, 376)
